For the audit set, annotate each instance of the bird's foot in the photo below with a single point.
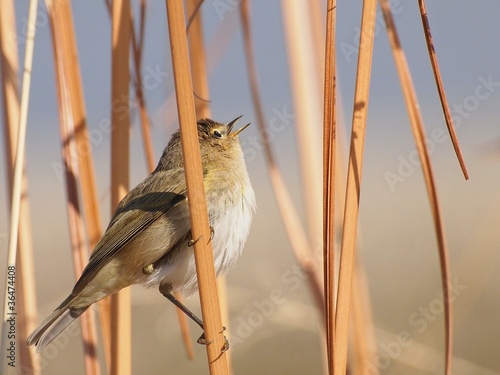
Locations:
(192, 242)
(203, 341)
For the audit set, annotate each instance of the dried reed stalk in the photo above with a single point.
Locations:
(201, 90)
(363, 346)
(329, 149)
(79, 250)
(198, 60)
(137, 47)
(25, 282)
(121, 301)
(71, 110)
(317, 20)
(293, 227)
(348, 254)
(197, 57)
(440, 87)
(205, 271)
(86, 181)
(216, 49)
(420, 138)
(17, 181)
(306, 73)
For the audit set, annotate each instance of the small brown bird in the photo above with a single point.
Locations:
(148, 239)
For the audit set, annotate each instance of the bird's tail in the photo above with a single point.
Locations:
(55, 323)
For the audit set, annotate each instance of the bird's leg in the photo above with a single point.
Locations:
(166, 291)
(149, 269)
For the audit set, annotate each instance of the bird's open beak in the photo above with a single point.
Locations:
(231, 124)
(239, 130)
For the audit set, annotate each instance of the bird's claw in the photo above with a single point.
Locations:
(203, 341)
(192, 242)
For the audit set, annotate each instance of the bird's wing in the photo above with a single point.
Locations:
(125, 225)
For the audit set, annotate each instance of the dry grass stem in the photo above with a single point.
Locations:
(120, 119)
(198, 60)
(364, 346)
(216, 49)
(293, 227)
(205, 271)
(77, 236)
(329, 148)
(193, 8)
(440, 87)
(306, 73)
(137, 47)
(348, 254)
(71, 113)
(363, 342)
(197, 57)
(85, 160)
(17, 181)
(25, 282)
(420, 139)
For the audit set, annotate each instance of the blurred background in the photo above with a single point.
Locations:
(397, 244)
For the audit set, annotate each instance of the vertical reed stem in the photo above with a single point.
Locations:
(120, 302)
(329, 149)
(18, 173)
(25, 280)
(205, 271)
(348, 254)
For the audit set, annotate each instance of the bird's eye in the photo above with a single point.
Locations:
(217, 134)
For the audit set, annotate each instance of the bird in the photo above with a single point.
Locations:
(148, 240)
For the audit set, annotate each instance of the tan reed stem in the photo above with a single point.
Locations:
(18, 178)
(440, 87)
(120, 302)
(71, 108)
(329, 149)
(25, 281)
(205, 271)
(420, 140)
(348, 253)
(295, 232)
